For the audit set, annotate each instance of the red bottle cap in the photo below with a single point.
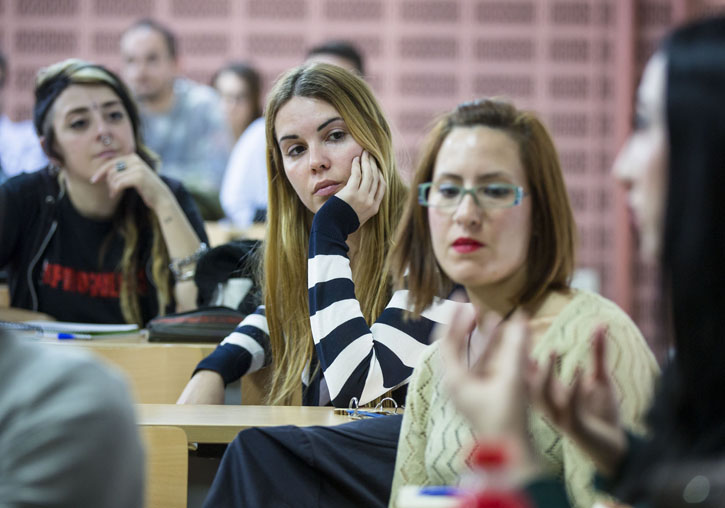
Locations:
(498, 499)
(489, 455)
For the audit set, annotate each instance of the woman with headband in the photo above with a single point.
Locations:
(96, 235)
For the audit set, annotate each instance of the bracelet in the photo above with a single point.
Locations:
(177, 266)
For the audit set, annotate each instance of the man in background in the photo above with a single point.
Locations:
(20, 149)
(340, 53)
(183, 121)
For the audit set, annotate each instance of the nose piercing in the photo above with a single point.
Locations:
(106, 140)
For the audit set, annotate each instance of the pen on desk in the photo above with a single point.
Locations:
(66, 335)
(369, 414)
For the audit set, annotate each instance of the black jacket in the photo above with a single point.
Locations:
(28, 220)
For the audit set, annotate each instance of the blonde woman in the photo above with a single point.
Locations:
(331, 327)
(96, 235)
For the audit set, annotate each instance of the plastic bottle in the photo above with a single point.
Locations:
(490, 481)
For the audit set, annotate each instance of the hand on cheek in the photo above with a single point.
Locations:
(365, 188)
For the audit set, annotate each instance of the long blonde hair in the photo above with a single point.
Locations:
(132, 215)
(288, 221)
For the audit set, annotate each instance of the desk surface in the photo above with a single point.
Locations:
(221, 424)
(120, 340)
(157, 372)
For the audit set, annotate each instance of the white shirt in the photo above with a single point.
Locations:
(20, 150)
(244, 188)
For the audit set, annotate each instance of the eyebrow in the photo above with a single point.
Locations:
(325, 124)
(83, 109)
(485, 176)
(322, 126)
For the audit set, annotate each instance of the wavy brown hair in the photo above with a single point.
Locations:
(289, 221)
(550, 257)
(132, 215)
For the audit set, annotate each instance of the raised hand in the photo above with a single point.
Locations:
(587, 410)
(491, 392)
(365, 188)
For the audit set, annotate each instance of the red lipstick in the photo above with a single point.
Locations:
(466, 245)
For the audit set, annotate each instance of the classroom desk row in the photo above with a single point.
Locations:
(171, 431)
(220, 424)
(157, 373)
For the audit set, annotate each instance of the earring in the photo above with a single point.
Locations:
(106, 140)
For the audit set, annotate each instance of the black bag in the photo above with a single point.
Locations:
(210, 324)
(235, 259)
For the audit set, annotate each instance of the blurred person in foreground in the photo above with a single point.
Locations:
(68, 433)
(674, 168)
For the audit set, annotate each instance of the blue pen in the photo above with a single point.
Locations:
(65, 335)
(357, 412)
(439, 490)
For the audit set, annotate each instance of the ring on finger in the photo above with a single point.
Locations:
(120, 166)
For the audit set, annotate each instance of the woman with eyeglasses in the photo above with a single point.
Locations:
(492, 214)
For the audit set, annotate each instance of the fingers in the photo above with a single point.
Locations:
(368, 175)
(377, 182)
(103, 171)
(129, 171)
(599, 341)
(462, 324)
(455, 343)
(365, 188)
(575, 400)
(122, 174)
(490, 337)
(552, 393)
(355, 174)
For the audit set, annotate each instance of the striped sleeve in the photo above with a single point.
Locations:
(243, 351)
(358, 359)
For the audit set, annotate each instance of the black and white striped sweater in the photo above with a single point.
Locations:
(356, 359)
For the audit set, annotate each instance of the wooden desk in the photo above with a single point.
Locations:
(4, 295)
(218, 424)
(221, 424)
(16, 314)
(158, 372)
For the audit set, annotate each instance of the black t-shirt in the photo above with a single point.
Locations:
(76, 284)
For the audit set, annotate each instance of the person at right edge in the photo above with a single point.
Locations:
(673, 166)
